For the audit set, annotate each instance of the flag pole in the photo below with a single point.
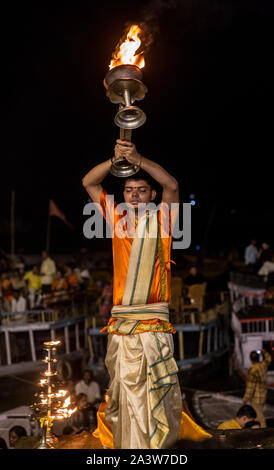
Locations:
(12, 225)
(48, 231)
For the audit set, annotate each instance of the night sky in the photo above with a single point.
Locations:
(209, 107)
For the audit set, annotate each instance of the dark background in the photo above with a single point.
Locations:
(209, 107)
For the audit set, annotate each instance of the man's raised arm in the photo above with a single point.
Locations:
(92, 180)
(169, 183)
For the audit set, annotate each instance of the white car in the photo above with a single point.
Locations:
(20, 416)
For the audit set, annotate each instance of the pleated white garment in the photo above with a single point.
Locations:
(145, 403)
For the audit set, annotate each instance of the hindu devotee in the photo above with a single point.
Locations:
(145, 403)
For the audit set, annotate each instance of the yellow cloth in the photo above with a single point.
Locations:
(118, 327)
(232, 424)
(188, 429)
(34, 281)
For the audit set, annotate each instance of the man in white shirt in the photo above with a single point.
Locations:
(89, 387)
(18, 304)
(48, 270)
(251, 253)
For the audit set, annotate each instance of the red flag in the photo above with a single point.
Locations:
(53, 210)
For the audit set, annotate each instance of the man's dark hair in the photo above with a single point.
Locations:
(89, 371)
(248, 411)
(254, 356)
(249, 424)
(142, 175)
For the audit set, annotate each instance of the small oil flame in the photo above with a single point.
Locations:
(52, 343)
(70, 412)
(50, 374)
(126, 52)
(65, 411)
(66, 402)
(61, 393)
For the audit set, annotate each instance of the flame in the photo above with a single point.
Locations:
(66, 402)
(50, 373)
(52, 343)
(61, 393)
(64, 411)
(126, 52)
(70, 412)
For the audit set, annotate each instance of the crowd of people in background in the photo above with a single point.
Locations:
(26, 289)
(260, 260)
(29, 289)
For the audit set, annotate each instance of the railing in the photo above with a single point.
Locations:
(40, 314)
(212, 338)
(257, 325)
(43, 323)
(246, 295)
(192, 343)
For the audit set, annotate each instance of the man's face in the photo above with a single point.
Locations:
(137, 192)
(83, 403)
(87, 378)
(193, 271)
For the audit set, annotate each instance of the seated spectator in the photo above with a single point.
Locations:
(18, 304)
(252, 425)
(6, 287)
(91, 388)
(245, 413)
(194, 277)
(71, 278)
(69, 386)
(15, 434)
(17, 282)
(34, 283)
(77, 273)
(84, 418)
(59, 282)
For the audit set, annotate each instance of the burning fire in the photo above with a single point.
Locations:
(65, 411)
(126, 52)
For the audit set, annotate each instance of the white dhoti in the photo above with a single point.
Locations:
(145, 403)
(145, 400)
